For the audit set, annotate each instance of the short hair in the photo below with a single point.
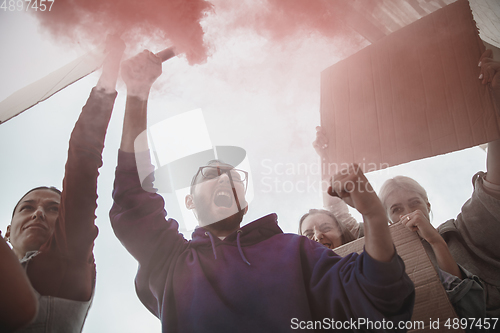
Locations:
(346, 236)
(401, 182)
(51, 188)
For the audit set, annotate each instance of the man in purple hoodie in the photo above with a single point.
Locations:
(253, 278)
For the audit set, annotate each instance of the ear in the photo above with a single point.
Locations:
(189, 202)
(7, 233)
(428, 207)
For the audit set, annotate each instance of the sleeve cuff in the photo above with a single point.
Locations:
(383, 272)
(103, 95)
(126, 161)
(131, 161)
(138, 164)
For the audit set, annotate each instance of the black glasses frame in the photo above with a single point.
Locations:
(221, 171)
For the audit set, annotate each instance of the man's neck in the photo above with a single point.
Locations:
(225, 227)
(220, 232)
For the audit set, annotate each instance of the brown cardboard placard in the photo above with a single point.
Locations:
(411, 95)
(431, 302)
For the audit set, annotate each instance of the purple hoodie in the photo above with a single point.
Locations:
(257, 279)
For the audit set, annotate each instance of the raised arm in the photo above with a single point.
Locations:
(18, 303)
(79, 193)
(111, 66)
(352, 186)
(137, 215)
(75, 229)
(320, 144)
(334, 204)
(139, 73)
(490, 76)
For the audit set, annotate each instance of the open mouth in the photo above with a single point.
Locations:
(328, 245)
(223, 199)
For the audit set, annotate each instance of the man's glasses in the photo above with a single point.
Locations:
(211, 172)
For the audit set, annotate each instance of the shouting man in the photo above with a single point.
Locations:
(253, 278)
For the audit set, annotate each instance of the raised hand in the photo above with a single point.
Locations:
(140, 72)
(111, 66)
(418, 221)
(353, 187)
(321, 143)
(490, 75)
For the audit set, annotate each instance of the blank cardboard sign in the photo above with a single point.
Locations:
(411, 95)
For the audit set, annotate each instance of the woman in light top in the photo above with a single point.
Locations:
(52, 233)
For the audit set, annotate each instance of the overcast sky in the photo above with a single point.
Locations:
(256, 94)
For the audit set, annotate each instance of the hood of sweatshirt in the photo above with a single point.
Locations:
(250, 234)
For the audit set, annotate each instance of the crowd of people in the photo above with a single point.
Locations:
(463, 250)
(251, 278)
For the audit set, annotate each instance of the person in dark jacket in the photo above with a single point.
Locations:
(253, 278)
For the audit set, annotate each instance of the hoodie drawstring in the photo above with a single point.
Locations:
(212, 241)
(240, 249)
(237, 242)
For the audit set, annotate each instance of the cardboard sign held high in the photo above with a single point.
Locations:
(411, 95)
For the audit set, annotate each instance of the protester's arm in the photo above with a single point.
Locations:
(75, 230)
(490, 76)
(320, 144)
(111, 66)
(79, 193)
(135, 212)
(492, 178)
(362, 286)
(139, 221)
(476, 230)
(139, 74)
(18, 303)
(377, 277)
(352, 186)
(337, 206)
(493, 166)
(137, 215)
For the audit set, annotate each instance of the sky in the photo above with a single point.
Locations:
(258, 89)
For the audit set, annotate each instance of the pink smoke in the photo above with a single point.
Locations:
(177, 22)
(284, 18)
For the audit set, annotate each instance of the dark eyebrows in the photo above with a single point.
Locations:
(48, 203)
